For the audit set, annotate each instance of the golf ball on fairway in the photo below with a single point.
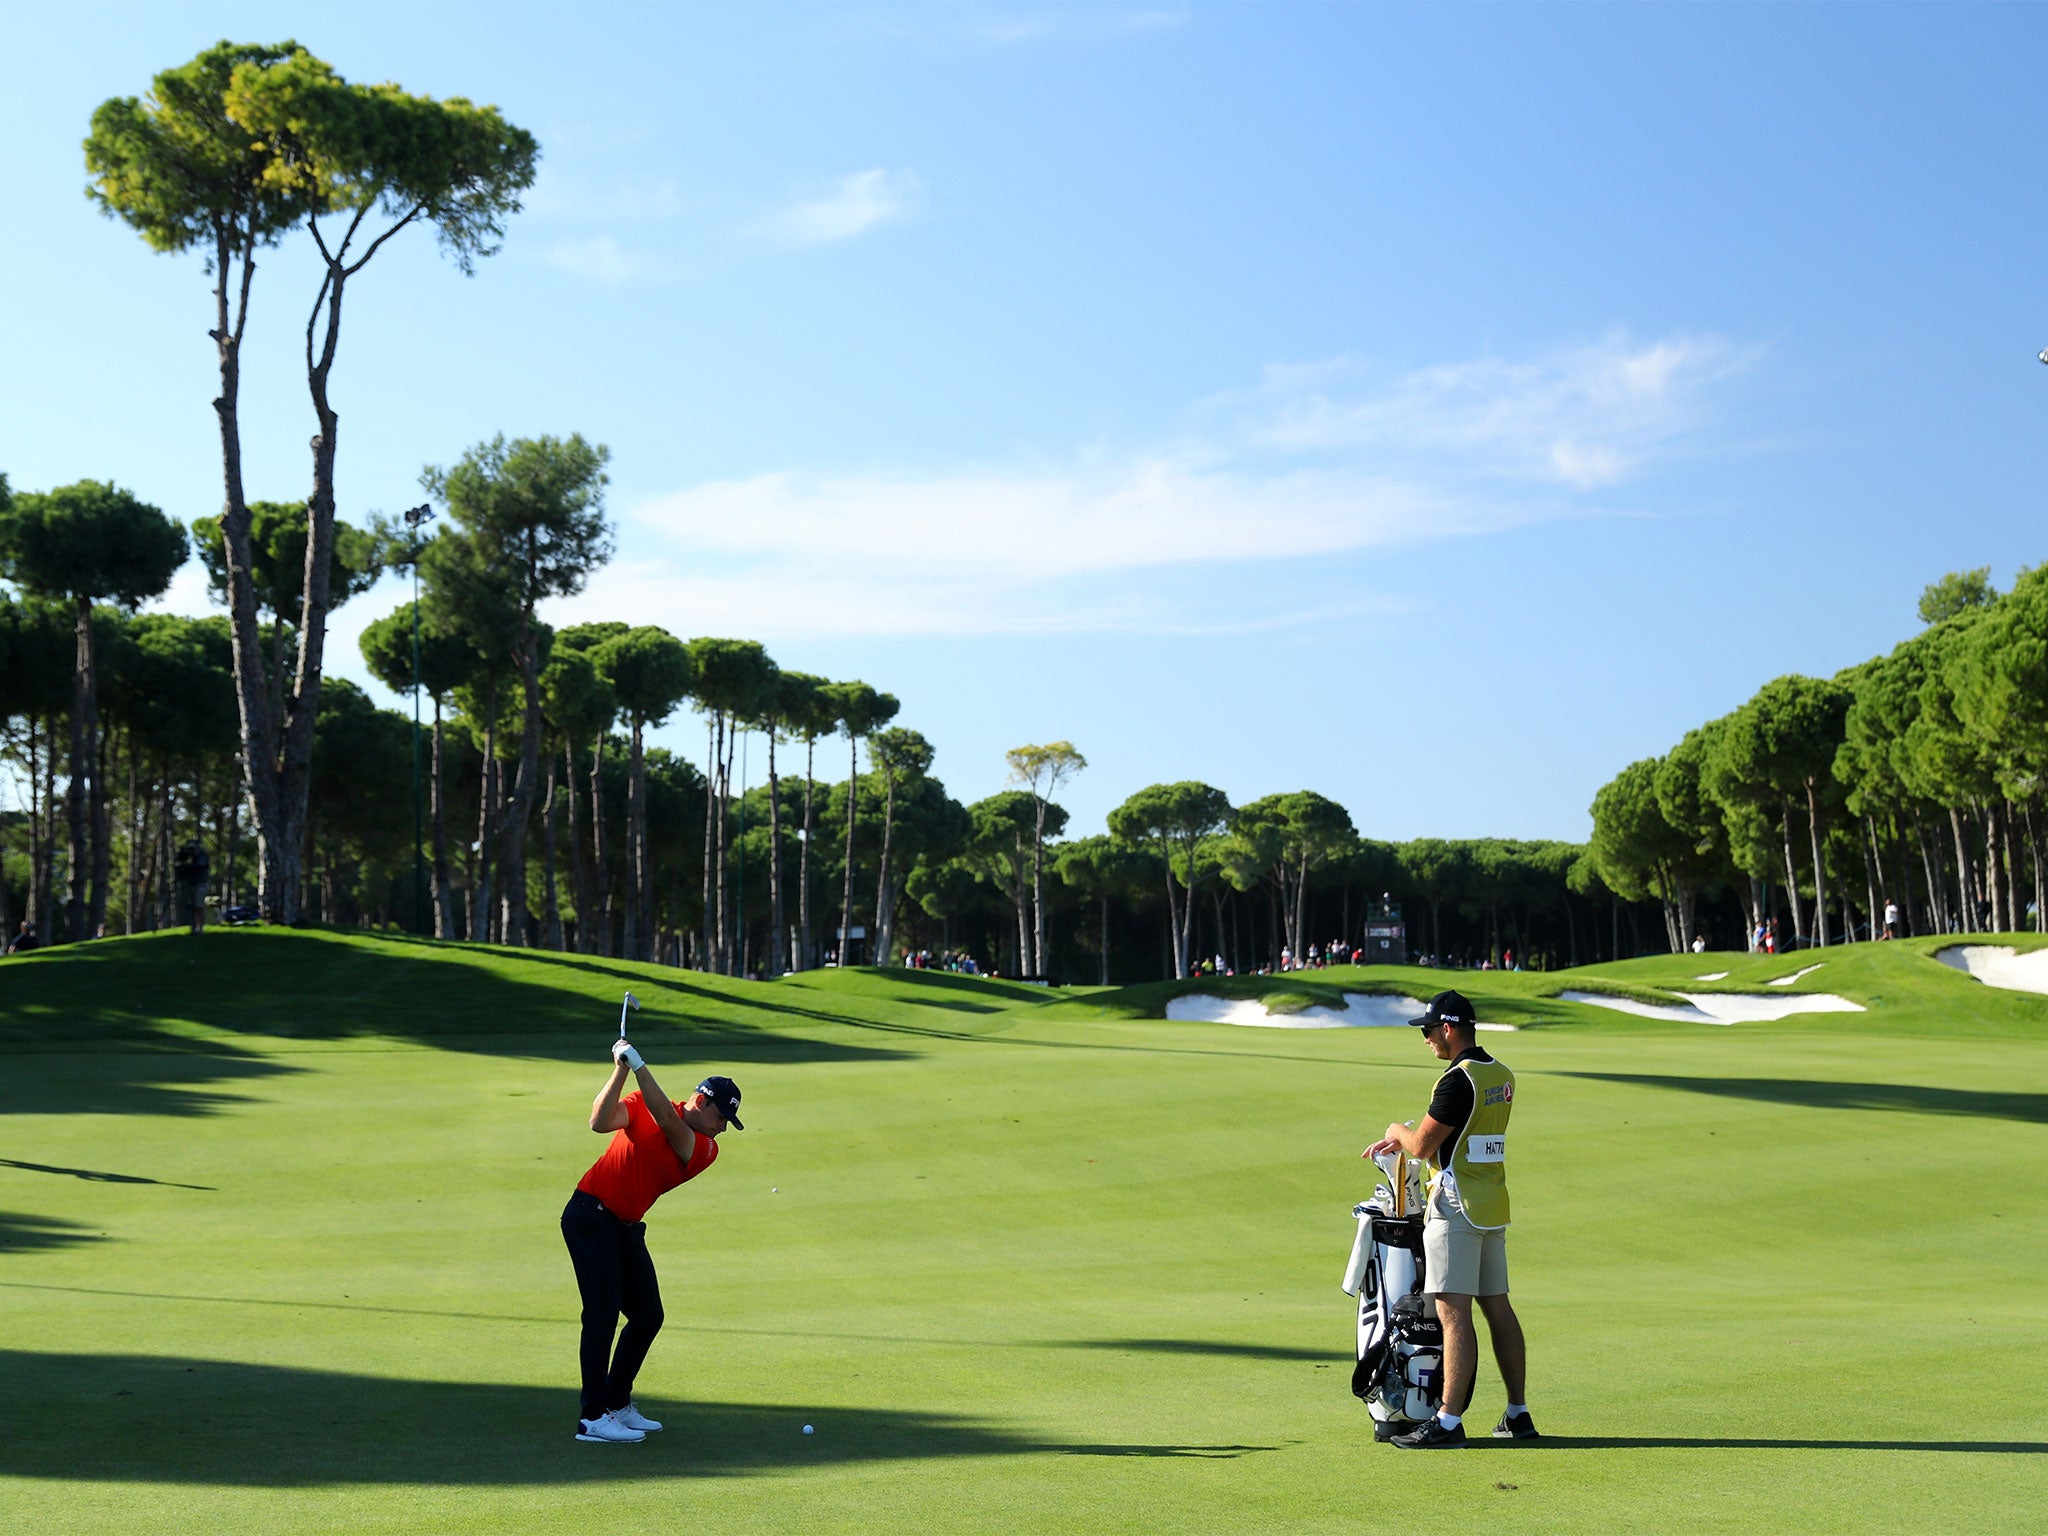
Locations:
(807, 1429)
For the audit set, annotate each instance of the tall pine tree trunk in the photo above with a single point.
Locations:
(852, 805)
(1994, 882)
(884, 904)
(1792, 877)
(728, 916)
(1937, 887)
(37, 880)
(712, 758)
(80, 795)
(138, 839)
(1966, 874)
(444, 894)
(1818, 831)
(636, 836)
(552, 937)
(2040, 873)
(778, 941)
(480, 888)
(601, 898)
(806, 938)
(1037, 887)
(1104, 969)
(102, 828)
(519, 800)
(579, 871)
(1020, 898)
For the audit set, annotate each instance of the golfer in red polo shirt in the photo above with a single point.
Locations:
(655, 1146)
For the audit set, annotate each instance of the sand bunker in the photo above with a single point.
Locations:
(1722, 1007)
(1362, 1010)
(1712, 976)
(2000, 965)
(1786, 981)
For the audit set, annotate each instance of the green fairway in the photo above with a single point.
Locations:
(278, 1251)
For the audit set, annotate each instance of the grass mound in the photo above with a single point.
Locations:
(1902, 987)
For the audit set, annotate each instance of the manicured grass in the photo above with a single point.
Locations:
(278, 1252)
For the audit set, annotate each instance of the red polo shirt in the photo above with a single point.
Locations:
(639, 1166)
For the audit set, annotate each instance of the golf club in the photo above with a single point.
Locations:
(630, 1002)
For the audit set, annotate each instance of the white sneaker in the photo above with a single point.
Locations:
(633, 1418)
(606, 1427)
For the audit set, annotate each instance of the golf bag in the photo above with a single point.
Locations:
(1400, 1342)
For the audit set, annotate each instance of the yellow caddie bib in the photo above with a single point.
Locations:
(1478, 1153)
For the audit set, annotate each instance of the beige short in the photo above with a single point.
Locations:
(1459, 1258)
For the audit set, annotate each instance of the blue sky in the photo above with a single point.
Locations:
(1438, 407)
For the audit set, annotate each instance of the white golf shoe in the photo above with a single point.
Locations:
(633, 1418)
(606, 1428)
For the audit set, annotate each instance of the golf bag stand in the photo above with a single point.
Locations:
(1400, 1342)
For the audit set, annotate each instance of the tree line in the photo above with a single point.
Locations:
(553, 822)
(1912, 780)
(547, 819)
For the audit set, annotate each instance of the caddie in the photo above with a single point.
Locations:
(1464, 1232)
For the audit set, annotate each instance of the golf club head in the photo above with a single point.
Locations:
(631, 1002)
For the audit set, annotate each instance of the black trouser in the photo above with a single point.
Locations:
(614, 1275)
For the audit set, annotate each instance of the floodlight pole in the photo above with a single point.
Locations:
(417, 518)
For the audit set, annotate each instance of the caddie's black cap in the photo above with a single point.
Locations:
(725, 1093)
(1447, 1008)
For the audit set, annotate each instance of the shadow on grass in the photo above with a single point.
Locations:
(26, 1234)
(282, 984)
(1908, 1098)
(1549, 1442)
(1206, 1347)
(968, 988)
(223, 1423)
(565, 1319)
(134, 1074)
(94, 1176)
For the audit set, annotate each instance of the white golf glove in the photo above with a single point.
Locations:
(623, 1051)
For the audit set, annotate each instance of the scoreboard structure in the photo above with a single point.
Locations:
(1386, 935)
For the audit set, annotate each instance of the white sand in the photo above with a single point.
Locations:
(1999, 965)
(1712, 976)
(1786, 981)
(1722, 1007)
(1362, 1010)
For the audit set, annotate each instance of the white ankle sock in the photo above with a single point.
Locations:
(1517, 1410)
(1449, 1420)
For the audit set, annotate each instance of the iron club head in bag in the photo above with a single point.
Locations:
(631, 1002)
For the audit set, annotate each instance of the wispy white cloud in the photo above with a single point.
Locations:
(1315, 462)
(1583, 417)
(600, 257)
(592, 195)
(857, 204)
(1044, 523)
(779, 600)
